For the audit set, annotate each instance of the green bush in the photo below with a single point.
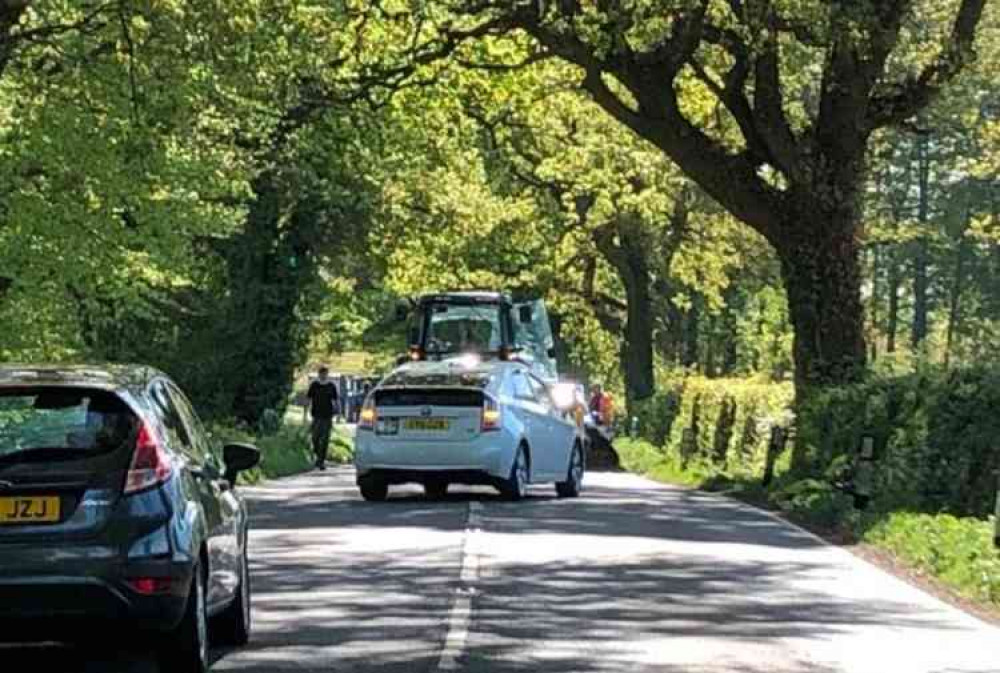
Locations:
(721, 426)
(959, 551)
(269, 423)
(284, 452)
(639, 456)
(938, 431)
(815, 501)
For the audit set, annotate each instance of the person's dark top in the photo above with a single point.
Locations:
(323, 398)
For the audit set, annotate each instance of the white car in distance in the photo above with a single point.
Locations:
(466, 421)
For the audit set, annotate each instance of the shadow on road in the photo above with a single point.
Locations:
(578, 586)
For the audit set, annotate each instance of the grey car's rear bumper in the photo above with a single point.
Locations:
(47, 608)
(423, 476)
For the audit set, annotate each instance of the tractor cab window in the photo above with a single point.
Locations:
(463, 329)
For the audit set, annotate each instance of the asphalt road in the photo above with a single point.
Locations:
(632, 577)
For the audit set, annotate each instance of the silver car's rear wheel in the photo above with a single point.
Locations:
(574, 476)
(516, 485)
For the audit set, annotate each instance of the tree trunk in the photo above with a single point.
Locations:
(691, 329)
(640, 373)
(894, 281)
(669, 327)
(628, 255)
(921, 253)
(955, 303)
(5, 286)
(876, 271)
(11, 12)
(730, 350)
(822, 272)
(269, 270)
(920, 286)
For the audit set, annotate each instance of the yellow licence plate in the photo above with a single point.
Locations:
(431, 424)
(29, 509)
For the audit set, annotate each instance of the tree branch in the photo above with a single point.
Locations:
(907, 98)
(769, 115)
(531, 59)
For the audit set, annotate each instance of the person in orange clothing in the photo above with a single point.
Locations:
(601, 405)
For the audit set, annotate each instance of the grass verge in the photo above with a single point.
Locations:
(957, 553)
(285, 452)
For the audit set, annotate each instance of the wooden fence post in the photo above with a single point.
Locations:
(775, 447)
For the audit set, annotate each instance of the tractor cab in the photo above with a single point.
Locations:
(483, 324)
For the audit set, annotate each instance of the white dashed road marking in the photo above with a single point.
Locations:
(460, 615)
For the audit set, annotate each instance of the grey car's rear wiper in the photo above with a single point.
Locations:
(41, 454)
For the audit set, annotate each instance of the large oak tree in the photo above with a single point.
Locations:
(804, 86)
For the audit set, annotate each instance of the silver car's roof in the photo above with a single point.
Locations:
(461, 371)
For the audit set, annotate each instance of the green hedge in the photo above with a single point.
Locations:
(720, 425)
(939, 434)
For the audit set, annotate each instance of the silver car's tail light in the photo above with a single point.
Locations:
(491, 418)
(366, 420)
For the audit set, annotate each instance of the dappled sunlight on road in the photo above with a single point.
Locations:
(631, 577)
(643, 578)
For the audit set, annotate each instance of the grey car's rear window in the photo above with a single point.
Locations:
(90, 420)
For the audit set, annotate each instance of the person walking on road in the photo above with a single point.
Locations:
(323, 399)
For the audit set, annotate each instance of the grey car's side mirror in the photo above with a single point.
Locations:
(524, 314)
(239, 457)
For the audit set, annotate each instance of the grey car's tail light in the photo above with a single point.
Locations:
(150, 464)
(151, 586)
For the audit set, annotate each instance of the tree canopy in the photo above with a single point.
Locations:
(229, 188)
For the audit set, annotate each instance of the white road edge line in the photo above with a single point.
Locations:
(460, 615)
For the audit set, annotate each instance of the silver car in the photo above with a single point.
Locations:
(466, 421)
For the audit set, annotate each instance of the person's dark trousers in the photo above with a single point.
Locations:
(321, 438)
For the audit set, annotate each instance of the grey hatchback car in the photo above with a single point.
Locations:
(117, 510)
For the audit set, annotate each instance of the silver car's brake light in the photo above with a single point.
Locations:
(491, 418)
(366, 420)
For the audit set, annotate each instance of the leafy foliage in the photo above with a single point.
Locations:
(959, 551)
(722, 425)
(938, 433)
(285, 452)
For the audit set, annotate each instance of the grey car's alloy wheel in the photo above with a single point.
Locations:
(516, 485)
(187, 650)
(574, 476)
(232, 626)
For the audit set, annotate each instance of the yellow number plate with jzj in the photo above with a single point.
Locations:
(29, 509)
(431, 424)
